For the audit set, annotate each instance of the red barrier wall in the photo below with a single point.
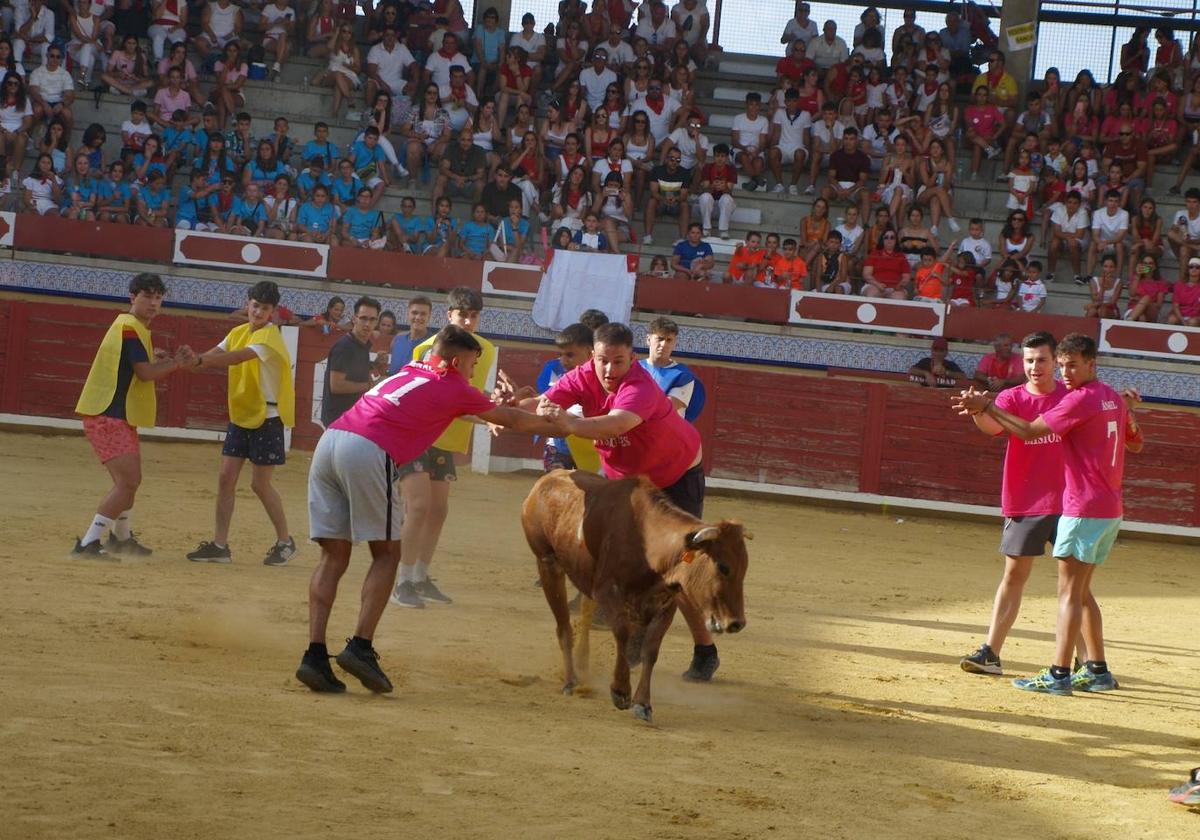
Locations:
(759, 426)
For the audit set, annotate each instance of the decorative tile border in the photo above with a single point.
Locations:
(719, 343)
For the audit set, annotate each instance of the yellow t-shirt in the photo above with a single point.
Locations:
(457, 437)
(1004, 92)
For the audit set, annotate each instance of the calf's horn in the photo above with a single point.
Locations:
(704, 535)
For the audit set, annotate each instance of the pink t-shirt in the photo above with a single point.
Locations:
(1033, 469)
(1187, 297)
(1091, 421)
(986, 120)
(989, 365)
(404, 414)
(168, 103)
(662, 447)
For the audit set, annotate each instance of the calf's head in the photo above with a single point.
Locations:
(712, 569)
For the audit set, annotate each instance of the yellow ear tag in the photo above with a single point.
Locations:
(689, 556)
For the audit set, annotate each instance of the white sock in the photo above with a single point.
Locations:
(121, 529)
(420, 571)
(100, 524)
(406, 573)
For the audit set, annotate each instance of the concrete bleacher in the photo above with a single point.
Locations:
(719, 95)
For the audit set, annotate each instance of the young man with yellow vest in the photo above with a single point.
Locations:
(425, 482)
(117, 398)
(262, 403)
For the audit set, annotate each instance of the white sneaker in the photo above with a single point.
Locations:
(954, 226)
(401, 171)
(724, 235)
(933, 230)
(778, 188)
(810, 189)
(707, 232)
(647, 239)
(276, 68)
(793, 190)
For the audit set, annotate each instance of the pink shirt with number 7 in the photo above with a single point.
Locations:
(1092, 421)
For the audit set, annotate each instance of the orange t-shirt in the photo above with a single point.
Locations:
(931, 280)
(744, 259)
(795, 266)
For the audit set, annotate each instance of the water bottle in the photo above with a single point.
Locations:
(960, 170)
(305, 84)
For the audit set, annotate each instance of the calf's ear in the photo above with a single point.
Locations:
(706, 534)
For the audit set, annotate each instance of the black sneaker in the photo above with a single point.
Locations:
(280, 553)
(130, 547)
(1080, 280)
(210, 552)
(427, 591)
(703, 666)
(91, 550)
(405, 595)
(314, 672)
(982, 661)
(364, 664)
(1174, 190)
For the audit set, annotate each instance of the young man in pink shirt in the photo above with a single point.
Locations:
(1096, 425)
(637, 432)
(352, 494)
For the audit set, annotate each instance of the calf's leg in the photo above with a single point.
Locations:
(554, 587)
(619, 690)
(587, 608)
(655, 630)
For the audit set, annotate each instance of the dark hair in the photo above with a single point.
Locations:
(753, 96)
(1192, 193)
(576, 335)
(720, 149)
(368, 302)
(594, 319)
(464, 299)
(147, 282)
(421, 300)
(695, 226)
(835, 234)
(92, 132)
(21, 94)
(1112, 194)
(850, 131)
(1078, 196)
(452, 340)
(387, 313)
(615, 335)
(333, 301)
(1077, 343)
(137, 106)
(662, 326)
(244, 116)
(264, 291)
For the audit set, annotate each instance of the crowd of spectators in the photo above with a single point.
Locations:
(585, 133)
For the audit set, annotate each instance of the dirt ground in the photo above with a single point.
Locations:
(155, 698)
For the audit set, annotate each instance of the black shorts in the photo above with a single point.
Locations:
(1027, 536)
(688, 492)
(264, 446)
(438, 463)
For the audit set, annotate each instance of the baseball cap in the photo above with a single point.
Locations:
(940, 343)
(1193, 261)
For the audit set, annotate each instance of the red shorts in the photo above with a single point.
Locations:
(110, 437)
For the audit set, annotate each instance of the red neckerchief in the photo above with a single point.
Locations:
(658, 109)
(994, 78)
(442, 52)
(569, 161)
(460, 93)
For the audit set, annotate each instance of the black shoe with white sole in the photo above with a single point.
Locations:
(982, 661)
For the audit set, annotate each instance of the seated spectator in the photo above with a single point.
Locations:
(790, 69)
(849, 169)
(1034, 122)
(932, 275)
(282, 207)
(362, 226)
(801, 27)
(936, 370)
(154, 201)
(615, 207)
(426, 127)
(1000, 289)
(853, 237)
(746, 260)
(389, 65)
(80, 190)
(321, 27)
(461, 172)
(692, 257)
(316, 218)
(499, 192)
(613, 161)
(56, 143)
(659, 109)
(226, 200)
(590, 237)
(642, 152)
(315, 174)
(571, 199)
(263, 168)
(458, 100)
(692, 145)
(691, 25)
(963, 280)
(1000, 84)
(658, 30)
(332, 320)
(345, 65)
(786, 146)
(957, 39)
(16, 120)
(533, 43)
(680, 67)
(749, 136)
(231, 73)
(659, 267)
(278, 24)
(250, 213)
(148, 161)
(789, 270)
(177, 57)
(408, 229)
(829, 49)
(194, 208)
(87, 39)
(215, 162)
(528, 169)
(595, 79)
(52, 89)
(346, 186)
(886, 271)
(221, 25)
(488, 55)
(512, 235)
(1002, 368)
(571, 52)
(171, 99)
(985, 127)
(831, 267)
(371, 163)
(668, 194)
(976, 244)
(114, 196)
(878, 137)
(239, 140)
(33, 29)
(1185, 297)
(135, 130)
(442, 230)
(935, 174)
(476, 235)
(42, 188)
(717, 180)
(1031, 295)
(1106, 288)
(826, 137)
(1110, 227)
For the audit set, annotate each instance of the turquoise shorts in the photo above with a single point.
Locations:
(1086, 539)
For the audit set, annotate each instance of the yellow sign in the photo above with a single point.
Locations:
(1021, 36)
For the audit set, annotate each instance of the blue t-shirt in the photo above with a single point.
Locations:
(688, 252)
(213, 168)
(156, 165)
(307, 183)
(155, 200)
(439, 231)
(360, 223)
(414, 227)
(552, 371)
(266, 176)
(475, 236)
(118, 192)
(676, 375)
(326, 150)
(510, 235)
(177, 139)
(250, 214)
(403, 346)
(85, 187)
(597, 241)
(314, 218)
(189, 208)
(366, 159)
(347, 191)
(492, 43)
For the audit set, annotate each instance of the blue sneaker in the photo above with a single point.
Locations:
(1045, 683)
(1085, 680)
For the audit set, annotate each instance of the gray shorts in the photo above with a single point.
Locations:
(352, 491)
(1028, 536)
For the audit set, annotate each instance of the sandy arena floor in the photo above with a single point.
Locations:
(156, 699)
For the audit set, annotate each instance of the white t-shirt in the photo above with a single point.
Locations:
(832, 138)
(1031, 294)
(11, 116)
(689, 22)
(878, 142)
(595, 84)
(130, 127)
(272, 366)
(41, 192)
(458, 114)
(1193, 225)
(622, 53)
(660, 123)
(1109, 226)
(392, 64)
(656, 35)
(791, 129)
(981, 249)
(439, 67)
(532, 44)
(850, 236)
(683, 141)
(824, 54)
(274, 15)
(605, 165)
(796, 31)
(748, 130)
(1070, 224)
(51, 84)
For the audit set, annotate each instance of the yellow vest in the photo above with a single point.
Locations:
(457, 437)
(247, 403)
(101, 384)
(583, 452)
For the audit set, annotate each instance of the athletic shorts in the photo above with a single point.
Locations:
(264, 446)
(110, 437)
(554, 458)
(1085, 538)
(789, 153)
(688, 492)
(1027, 536)
(439, 463)
(352, 494)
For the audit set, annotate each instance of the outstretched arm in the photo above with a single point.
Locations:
(973, 402)
(523, 421)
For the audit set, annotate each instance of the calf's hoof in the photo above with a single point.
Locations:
(568, 688)
(621, 701)
(643, 712)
